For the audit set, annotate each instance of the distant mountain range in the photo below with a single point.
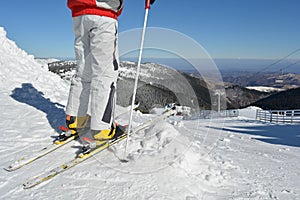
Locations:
(278, 80)
(159, 85)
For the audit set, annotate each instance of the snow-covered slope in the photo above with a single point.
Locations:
(17, 68)
(233, 158)
(27, 85)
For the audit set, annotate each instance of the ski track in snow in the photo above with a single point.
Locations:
(233, 158)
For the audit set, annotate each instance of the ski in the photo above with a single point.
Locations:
(21, 162)
(47, 175)
(25, 160)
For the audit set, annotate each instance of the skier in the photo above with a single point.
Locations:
(91, 101)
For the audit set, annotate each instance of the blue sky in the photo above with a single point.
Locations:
(225, 28)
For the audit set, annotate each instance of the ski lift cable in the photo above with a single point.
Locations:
(290, 65)
(278, 61)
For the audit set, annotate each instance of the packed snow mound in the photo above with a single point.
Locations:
(17, 69)
(249, 112)
(10, 49)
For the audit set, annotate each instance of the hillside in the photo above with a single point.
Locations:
(240, 97)
(24, 80)
(285, 100)
(160, 84)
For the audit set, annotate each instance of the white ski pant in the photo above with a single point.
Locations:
(93, 86)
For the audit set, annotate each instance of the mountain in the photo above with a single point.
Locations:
(278, 80)
(160, 84)
(240, 97)
(285, 100)
(65, 69)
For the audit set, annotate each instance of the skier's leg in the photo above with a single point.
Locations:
(105, 71)
(80, 85)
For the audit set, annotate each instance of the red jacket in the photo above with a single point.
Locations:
(108, 8)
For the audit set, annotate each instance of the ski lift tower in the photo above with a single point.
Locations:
(218, 93)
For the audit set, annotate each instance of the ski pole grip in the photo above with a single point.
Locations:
(147, 4)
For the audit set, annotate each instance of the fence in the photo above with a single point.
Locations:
(278, 116)
(216, 114)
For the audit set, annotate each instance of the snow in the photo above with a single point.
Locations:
(44, 61)
(230, 158)
(147, 71)
(265, 89)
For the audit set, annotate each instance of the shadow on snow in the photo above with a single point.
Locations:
(288, 135)
(29, 95)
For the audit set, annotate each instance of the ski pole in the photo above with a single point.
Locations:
(147, 7)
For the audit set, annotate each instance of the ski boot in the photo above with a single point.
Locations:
(111, 134)
(99, 138)
(73, 126)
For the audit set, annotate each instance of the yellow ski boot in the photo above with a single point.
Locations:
(110, 134)
(74, 126)
(74, 123)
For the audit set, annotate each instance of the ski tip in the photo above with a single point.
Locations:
(25, 186)
(12, 167)
(9, 169)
